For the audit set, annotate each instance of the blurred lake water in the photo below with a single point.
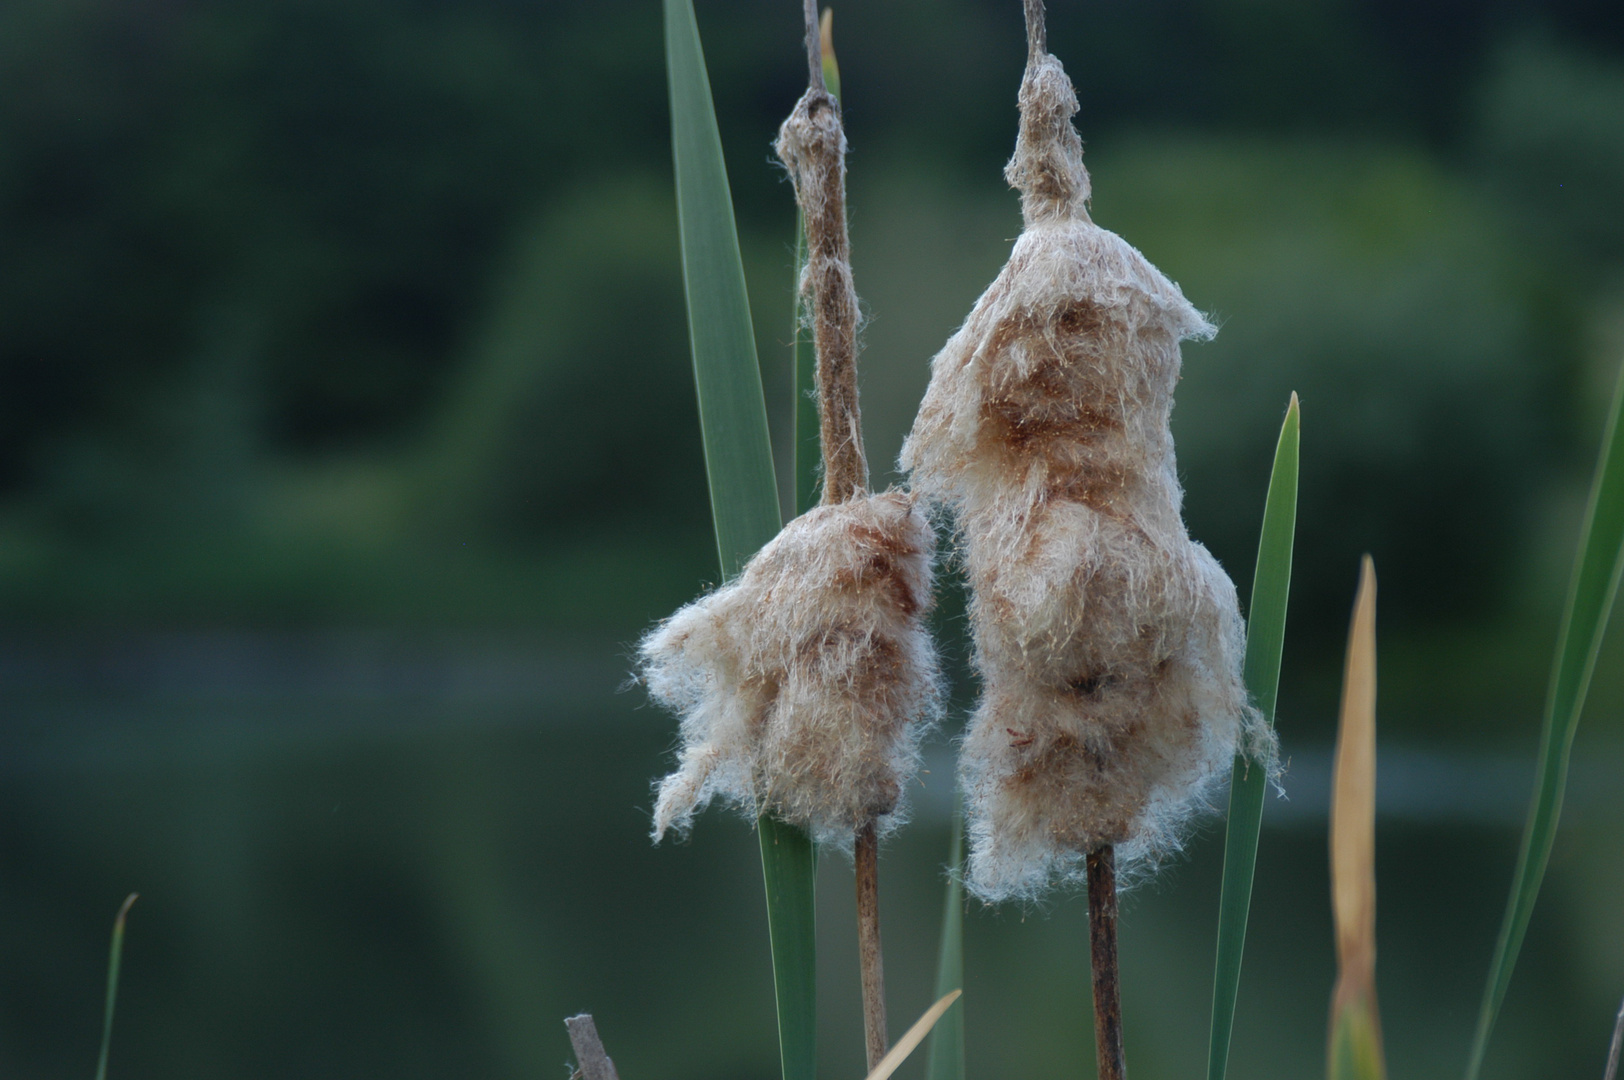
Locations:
(363, 854)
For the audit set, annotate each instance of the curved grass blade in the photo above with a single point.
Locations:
(115, 958)
(1354, 1048)
(1590, 599)
(1265, 638)
(739, 464)
(944, 1058)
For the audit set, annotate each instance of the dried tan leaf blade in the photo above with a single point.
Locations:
(916, 1035)
(1355, 1038)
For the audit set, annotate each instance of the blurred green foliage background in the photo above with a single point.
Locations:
(347, 441)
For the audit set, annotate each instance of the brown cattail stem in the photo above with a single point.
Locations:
(867, 857)
(814, 46)
(1036, 39)
(812, 143)
(1102, 944)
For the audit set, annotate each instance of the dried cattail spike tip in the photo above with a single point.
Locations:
(812, 145)
(1109, 643)
(805, 684)
(1047, 168)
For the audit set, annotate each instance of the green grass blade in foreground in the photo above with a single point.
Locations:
(1265, 638)
(808, 446)
(738, 461)
(945, 1054)
(732, 412)
(1590, 599)
(115, 957)
(789, 865)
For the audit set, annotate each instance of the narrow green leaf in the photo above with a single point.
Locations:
(115, 957)
(806, 442)
(738, 461)
(789, 866)
(1590, 600)
(732, 411)
(1265, 638)
(945, 1055)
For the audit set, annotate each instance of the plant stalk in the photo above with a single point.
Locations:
(812, 144)
(1036, 39)
(1102, 945)
(867, 855)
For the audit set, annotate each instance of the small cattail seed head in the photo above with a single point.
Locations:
(806, 684)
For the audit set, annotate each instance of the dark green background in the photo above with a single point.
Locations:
(347, 444)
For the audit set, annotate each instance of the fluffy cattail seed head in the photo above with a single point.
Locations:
(806, 684)
(1109, 643)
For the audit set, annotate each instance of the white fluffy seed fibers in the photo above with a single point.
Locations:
(1109, 643)
(805, 684)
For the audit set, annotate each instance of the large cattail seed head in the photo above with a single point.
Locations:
(1061, 380)
(1108, 642)
(805, 684)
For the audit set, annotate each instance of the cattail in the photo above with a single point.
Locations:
(1109, 643)
(806, 683)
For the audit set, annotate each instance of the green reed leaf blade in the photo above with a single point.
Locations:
(945, 1054)
(732, 411)
(789, 866)
(739, 464)
(1590, 600)
(1265, 639)
(115, 959)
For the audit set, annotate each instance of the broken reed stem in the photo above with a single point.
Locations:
(866, 855)
(589, 1054)
(1102, 947)
(813, 144)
